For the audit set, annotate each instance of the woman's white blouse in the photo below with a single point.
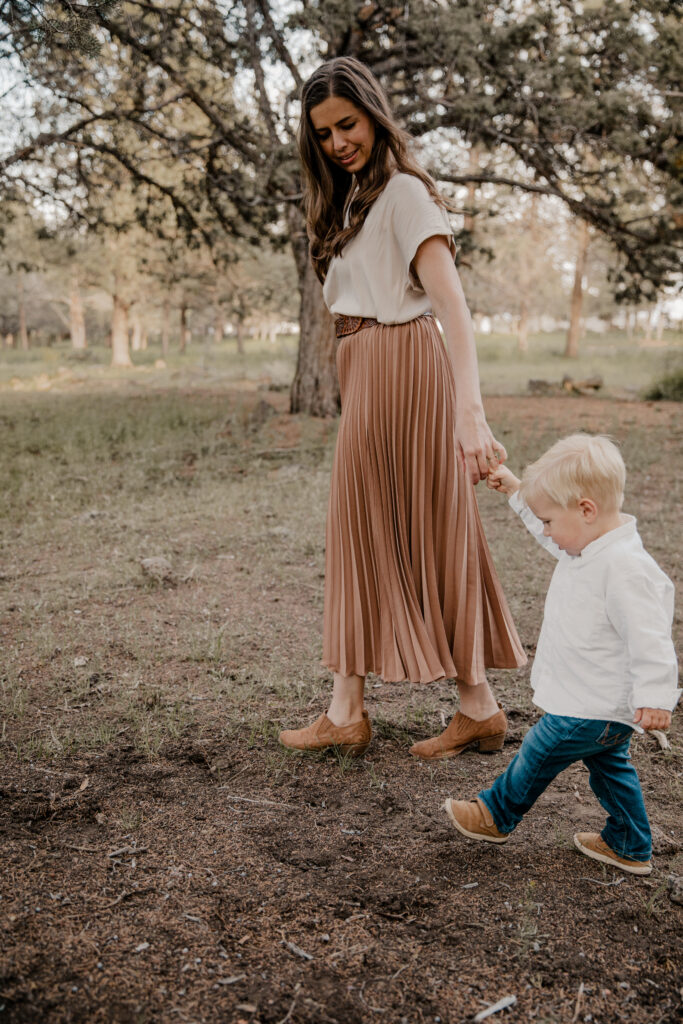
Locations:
(372, 277)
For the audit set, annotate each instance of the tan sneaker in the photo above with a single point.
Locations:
(350, 739)
(474, 820)
(463, 732)
(594, 846)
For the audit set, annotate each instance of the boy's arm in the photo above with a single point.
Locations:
(501, 479)
(642, 612)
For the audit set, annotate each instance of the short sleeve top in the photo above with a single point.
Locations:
(373, 276)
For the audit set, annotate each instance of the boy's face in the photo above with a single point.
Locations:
(570, 528)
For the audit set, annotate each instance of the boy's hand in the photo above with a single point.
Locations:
(501, 479)
(652, 718)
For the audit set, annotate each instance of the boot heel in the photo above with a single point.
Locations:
(491, 743)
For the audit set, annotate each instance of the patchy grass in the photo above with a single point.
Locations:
(164, 857)
(627, 365)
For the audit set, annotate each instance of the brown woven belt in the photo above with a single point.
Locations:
(350, 324)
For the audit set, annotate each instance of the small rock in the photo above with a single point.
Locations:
(158, 568)
(676, 889)
(80, 661)
(662, 843)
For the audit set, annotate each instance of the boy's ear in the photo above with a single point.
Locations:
(588, 510)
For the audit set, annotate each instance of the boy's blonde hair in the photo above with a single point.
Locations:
(580, 466)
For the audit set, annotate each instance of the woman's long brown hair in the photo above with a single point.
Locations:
(328, 187)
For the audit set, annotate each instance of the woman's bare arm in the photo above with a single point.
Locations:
(477, 447)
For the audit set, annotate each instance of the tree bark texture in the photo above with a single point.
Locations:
(239, 335)
(136, 339)
(315, 389)
(571, 350)
(120, 353)
(76, 317)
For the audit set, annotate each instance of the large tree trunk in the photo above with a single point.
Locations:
(136, 340)
(23, 331)
(239, 335)
(574, 333)
(120, 354)
(315, 388)
(76, 317)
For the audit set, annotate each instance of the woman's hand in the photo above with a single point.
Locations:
(477, 448)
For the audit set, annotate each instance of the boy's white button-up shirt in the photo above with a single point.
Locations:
(605, 647)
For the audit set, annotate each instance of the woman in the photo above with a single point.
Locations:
(410, 588)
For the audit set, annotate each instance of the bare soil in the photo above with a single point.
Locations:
(164, 859)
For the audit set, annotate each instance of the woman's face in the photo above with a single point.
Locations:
(345, 132)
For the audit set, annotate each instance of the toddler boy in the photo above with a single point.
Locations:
(605, 663)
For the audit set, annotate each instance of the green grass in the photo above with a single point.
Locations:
(624, 364)
(59, 366)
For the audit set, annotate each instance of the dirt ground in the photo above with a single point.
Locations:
(165, 860)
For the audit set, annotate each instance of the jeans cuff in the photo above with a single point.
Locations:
(499, 826)
(642, 856)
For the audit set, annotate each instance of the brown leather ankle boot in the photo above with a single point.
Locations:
(463, 732)
(350, 739)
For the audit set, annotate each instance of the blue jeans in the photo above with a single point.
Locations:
(550, 746)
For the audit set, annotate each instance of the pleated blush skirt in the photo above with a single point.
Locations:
(411, 592)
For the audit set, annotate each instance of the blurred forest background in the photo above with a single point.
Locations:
(151, 191)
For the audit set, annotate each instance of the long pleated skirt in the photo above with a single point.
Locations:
(411, 592)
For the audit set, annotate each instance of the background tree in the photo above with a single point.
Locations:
(566, 99)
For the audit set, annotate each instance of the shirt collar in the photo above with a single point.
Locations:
(623, 532)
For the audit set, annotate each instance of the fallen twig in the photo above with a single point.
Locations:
(123, 896)
(127, 849)
(290, 1011)
(297, 950)
(596, 881)
(579, 1000)
(502, 1004)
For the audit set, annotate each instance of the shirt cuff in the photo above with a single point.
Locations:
(515, 502)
